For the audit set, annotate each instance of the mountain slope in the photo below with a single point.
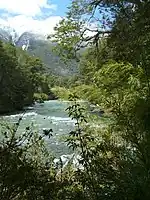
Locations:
(37, 45)
(43, 49)
(8, 34)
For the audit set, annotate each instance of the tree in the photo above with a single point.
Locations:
(20, 76)
(12, 80)
(115, 158)
(87, 21)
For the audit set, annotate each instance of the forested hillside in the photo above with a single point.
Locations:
(21, 76)
(113, 151)
(44, 50)
(37, 45)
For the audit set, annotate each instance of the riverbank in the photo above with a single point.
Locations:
(85, 93)
(37, 97)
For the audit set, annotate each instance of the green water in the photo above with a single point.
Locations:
(49, 115)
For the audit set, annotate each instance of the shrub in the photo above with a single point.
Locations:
(40, 97)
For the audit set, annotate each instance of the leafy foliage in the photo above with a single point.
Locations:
(20, 76)
(114, 75)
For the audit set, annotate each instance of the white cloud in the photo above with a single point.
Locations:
(3, 22)
(26, 7)
(20, 15)
(22, 23)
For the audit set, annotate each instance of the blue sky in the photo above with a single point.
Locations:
(32, 15)
(61, 6)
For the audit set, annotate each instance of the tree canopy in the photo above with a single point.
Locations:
(114, 73)
(20, 77)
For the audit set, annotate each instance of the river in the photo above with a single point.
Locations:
(48, 115)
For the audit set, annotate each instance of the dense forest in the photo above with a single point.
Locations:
(110, 41)
(23, 79)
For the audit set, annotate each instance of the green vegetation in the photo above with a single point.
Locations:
(40, 96)
(20, 76)
(114, 73)
(114, 157)
(27, 170)
(53, 64)
(43, 49)
(61, 92)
